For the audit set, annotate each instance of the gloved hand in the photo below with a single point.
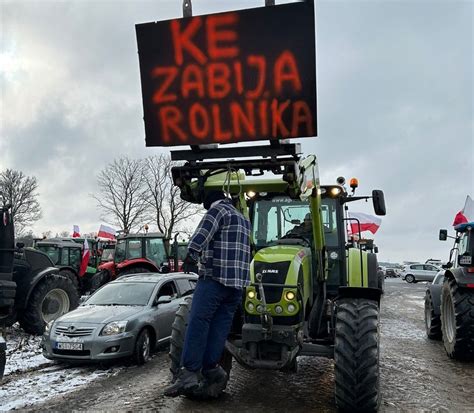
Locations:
(189, 262)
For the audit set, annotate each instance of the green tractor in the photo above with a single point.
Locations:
(313, 291)
(66, 254)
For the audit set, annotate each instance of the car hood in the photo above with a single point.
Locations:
(98, 314)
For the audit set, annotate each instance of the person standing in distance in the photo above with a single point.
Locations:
(222, 244)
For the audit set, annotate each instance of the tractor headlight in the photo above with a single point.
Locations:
(250, 307)
(251, 294)
(113, 328)
(278, 309)
(291, 308)
(290, 295)
(335, 191)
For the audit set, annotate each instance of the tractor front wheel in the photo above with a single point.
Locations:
(99, 279)
(457, 320)
(356, 355)
(432, 321)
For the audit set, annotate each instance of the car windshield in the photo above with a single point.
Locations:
(122, 293)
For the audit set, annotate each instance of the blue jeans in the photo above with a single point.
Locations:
(212, 311)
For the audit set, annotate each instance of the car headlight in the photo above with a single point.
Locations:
(115, 327)
(49, 326)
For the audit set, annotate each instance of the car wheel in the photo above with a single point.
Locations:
(410, 278)
(142, 347)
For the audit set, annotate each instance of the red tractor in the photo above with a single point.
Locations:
(134, 253)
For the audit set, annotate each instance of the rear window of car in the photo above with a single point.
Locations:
(123, 293)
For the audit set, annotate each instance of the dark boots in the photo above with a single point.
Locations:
(208, 384)
(186, 382)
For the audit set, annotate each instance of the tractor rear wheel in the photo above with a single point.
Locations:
(3, 361)
(134, 270)
(457, 320)
(356, 355)
(52, 297)
(432, 321)
(178, 334)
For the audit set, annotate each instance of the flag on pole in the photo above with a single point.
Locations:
(85, 258)
(75, 231)
(466, 214)
(365, 222)
(106, 232)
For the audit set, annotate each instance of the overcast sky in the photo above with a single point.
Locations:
(395, 104)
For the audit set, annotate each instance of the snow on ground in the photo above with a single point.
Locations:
(44, 384)
(23, 351)
(30, 378)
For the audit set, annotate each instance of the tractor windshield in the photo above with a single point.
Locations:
(51, 251)
(283, 217)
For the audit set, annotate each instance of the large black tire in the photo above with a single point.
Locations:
(99, 279)
(3, 361)
(53, 296)
(178, 332)
(71, 275)
(133, 270)
(457, 320)
(356, 355)
(432, 321)
(143, 347)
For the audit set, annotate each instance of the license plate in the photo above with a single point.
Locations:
(70, 346)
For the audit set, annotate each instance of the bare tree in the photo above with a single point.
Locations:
(168, 210)
(21, 191)
(122, 193)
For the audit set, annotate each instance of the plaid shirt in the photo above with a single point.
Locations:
(223, 241)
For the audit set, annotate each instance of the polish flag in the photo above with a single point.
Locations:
(106, 232)
(367, 222)
(85, 258)
(75, 231)
(466, 214)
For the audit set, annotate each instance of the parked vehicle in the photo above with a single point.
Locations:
(67, 256)
(433, 307)
(309, 287)
(391, 273)
(128, 317)
(419, 272)
(457, 294)
(7, 284)
(133, 254)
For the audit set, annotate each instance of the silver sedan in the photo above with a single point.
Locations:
(128, 317)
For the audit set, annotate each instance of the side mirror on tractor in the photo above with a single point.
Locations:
(378, 200)
(443, 234)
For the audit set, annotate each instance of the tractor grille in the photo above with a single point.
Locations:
(272, 273)
(76, 332)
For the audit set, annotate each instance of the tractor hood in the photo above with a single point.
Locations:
(279, 264)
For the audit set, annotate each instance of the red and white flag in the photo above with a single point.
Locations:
(106, 232)
(85, 258)
(365, 222)
(75, 231)
(466, 214)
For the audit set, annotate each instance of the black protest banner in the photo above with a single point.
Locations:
(229, 77)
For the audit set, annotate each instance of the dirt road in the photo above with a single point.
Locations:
(416, 374)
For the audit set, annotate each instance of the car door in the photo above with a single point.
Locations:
(166, 311)
(430, 272)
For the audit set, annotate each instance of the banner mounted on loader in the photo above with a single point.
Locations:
(229, 77)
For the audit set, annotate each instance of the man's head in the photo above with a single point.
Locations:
(211, 197)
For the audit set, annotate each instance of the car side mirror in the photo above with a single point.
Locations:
(164, 299)
(443, 234)
(447, 266)
(378, 199)
(465, 260)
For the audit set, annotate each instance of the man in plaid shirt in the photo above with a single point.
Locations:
(222, 244)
